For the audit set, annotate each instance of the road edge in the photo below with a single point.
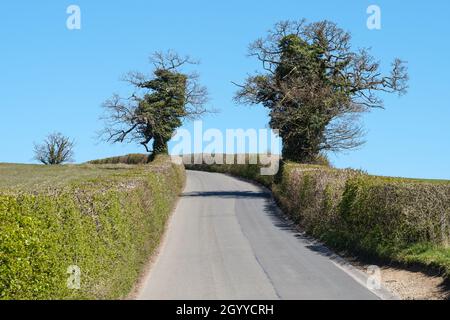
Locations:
(146, 270)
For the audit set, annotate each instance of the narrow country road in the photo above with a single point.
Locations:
(226, 240)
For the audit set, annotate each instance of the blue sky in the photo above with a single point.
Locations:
(54, 79)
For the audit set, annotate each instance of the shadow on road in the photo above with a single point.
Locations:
(284, 223)
(227, 194)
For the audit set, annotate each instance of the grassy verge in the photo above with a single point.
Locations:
(394, 219)
(107, 220)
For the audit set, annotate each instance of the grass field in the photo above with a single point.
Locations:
(26, 176)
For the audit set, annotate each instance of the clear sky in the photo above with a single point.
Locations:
(54, 79)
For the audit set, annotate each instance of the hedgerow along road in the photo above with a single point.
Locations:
(228, 240)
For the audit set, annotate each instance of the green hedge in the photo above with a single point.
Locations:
(108, 227)
(134, 158)
(404, 220)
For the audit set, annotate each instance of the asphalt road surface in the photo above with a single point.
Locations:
(227, 240)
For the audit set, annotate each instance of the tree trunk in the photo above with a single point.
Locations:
(298, 150)
(160, 146)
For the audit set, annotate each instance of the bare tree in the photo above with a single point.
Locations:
(56, 149)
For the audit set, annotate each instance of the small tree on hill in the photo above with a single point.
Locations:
(158, 106)
(56, 149)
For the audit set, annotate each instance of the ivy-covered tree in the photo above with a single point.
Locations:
(158, 106)
(315, 87)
